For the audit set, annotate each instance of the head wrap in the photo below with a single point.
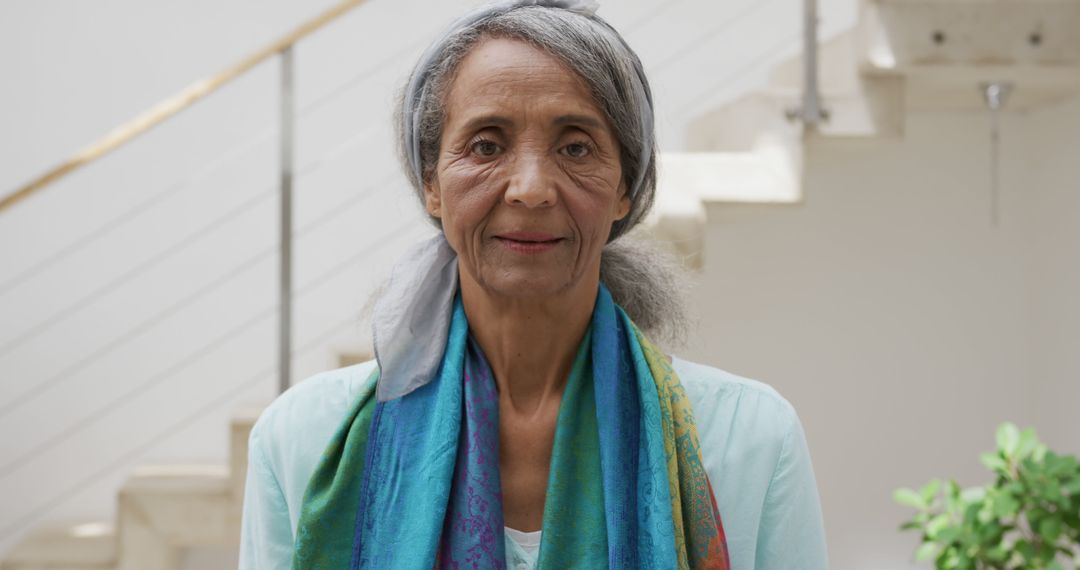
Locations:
(411, 320)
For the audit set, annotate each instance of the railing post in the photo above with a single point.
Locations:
(285, 307)
(811, 113)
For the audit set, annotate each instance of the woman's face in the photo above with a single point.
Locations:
(528, 181)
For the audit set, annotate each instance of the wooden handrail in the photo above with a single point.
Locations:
(173, 105)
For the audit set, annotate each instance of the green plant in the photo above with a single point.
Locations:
(1029, 518)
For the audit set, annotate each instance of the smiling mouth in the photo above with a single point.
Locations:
(528, 243)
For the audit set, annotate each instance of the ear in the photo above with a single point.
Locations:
(622, 208)
(433, 199)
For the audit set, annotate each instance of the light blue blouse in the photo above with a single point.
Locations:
(752, 444)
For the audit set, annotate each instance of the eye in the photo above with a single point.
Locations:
(577, 149)
(484, 147)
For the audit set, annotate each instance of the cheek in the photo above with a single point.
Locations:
(593, 218)
(467, 200)
(595, 204)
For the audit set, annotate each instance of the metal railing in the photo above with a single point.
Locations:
(185, 99)
(173, 105)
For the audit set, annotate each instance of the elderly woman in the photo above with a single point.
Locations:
(517, 415)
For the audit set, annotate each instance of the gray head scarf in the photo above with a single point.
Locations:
(411, 320)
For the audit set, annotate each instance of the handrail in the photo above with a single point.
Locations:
(173, 105)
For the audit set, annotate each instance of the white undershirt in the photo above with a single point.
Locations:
(528, 541)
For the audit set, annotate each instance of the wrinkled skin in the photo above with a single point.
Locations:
(527, 185)
(525, 149)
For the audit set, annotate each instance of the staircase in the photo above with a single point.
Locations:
(162, 512)
(904, 55)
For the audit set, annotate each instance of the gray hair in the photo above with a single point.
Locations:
(639, 278)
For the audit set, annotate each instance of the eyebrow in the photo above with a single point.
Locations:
(561, 120)
(579, 120)
(487, 120)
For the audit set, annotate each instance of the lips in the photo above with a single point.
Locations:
(528, 242)
(528, 237)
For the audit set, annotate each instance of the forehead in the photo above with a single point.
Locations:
(510, 76)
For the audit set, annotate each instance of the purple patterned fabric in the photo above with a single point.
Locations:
(476, 514)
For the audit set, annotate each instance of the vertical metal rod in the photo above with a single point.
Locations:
(285, 306)
(996, 95)
(995, 165)
(812, 112)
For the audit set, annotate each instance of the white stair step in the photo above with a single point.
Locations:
(768, 175)
(239, 431)
(185, 504)
(87, 546)
(162, 511)
(678, 216)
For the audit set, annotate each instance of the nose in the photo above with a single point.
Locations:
(532, 183)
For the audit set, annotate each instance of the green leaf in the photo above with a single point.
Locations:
(1039, 453)
(909, 498)
(925, 552)
(1052, 491)
(1014, 488)
(936, 525)
(952, 497)
(1036, 516)
(973, 494)
(1027, 444)
(929, 491)
(948, 535)
(1025, 549)
(1050, 529)
(993, 462)
(997, 554)
(1005, 506)
(1071, 463)
(971, 514)
(991, 533)
(1054, 465)
(1008, 437)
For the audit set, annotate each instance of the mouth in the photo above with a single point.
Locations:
(528, 242)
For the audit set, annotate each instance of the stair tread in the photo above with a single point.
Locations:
(178, 478)
(87, 544)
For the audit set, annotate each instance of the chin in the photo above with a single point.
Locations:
(526, 285)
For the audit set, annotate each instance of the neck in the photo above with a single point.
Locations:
(529, 343)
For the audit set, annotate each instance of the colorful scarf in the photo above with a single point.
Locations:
(414, 482)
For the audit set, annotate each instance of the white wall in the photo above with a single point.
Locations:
(903, 325)
(104, 398)
(1052, 141)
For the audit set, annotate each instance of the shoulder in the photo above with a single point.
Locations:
(293, 431)
(754, 451)
(730, 409)
(297, 408)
